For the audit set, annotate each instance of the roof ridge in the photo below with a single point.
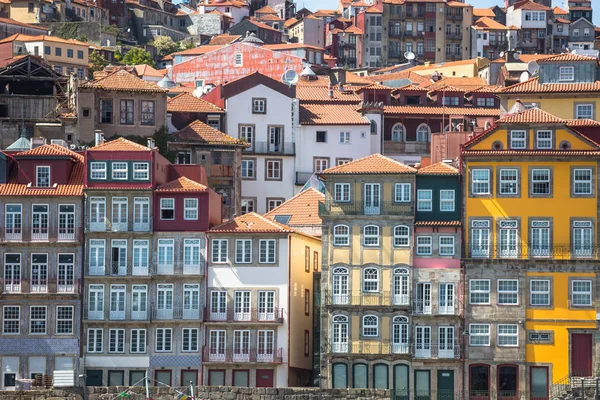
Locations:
(296, 196)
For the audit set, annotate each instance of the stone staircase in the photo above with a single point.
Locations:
(576, 388)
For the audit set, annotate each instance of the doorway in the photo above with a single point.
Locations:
(581, 354)
(479, 382)
(264, 378)
(508, 382)
(445, 385)
(94, 377)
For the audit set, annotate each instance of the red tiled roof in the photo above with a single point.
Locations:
(199, 132)
(303, 208)
(119, 144)
(10, 21)
(373, 164)
(440, 168)
(262, 26)
(559, 11)
(459, 83)
(533, 86)
(569, 57)
(489, 23)
(223, 39)
(251, 223)
(122, 81)
(562, 21)
(457, 4)
(548, 153)
(412, 76)
(198, 51)
(582, 123)
(325, 13)
(330, 114)
(186, 102)
(530, 116)
(269, 17)
(321, 93)
(530, 5)
(289, 22)
(439, 110)
(181, 184)
(42, 38)
(48, 150)
(265, 10)
(483, 12)
(412, 88)
(438, 223)
(146, 70)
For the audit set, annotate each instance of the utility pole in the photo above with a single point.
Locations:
(147, 386)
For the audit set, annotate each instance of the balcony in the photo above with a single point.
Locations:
(94, 315)
(39, 235)
(407, 148)
(141, 226)
(176, 312)
(116, 315)
(524, 251)
(436, 350)
(118, 268)
(454, 35)
(287, 148)
(454, 17)
(366, 299)
(41, 286)
(331, 208)
(140, 270)
(108, 226)
(13, 235)
(253, 315)
(97, 270)
(422, 307)
(415, 350)
(66, 235)
(221, 171)
(265, 356)
(177, 268)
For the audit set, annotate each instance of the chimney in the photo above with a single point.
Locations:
(330, 91)
(151, 143)
(98, 137)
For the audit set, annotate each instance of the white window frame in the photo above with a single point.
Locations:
(259, 106)
(370, 281)
(479, 292)
(566, 74)
(424, 245)
(537, 180)
(187, 344)
(118, 168)
(97, 339)
(447, 204)
(138, 346)
(546, 293)
(513, 336)
(344, 137)
(164, 205)
(141, 171)
(372, 328)
(116, 340)
(12, 320)
(247, 168)
(190, 209)
(480, 181)
(401, 239)
(218, 252)
(547, 141)
(423, 203)
(518, 143)
(67, 320)
(446, 249)
(481, 334)
(504, 180)
(510, 292)
(578, 112)
(589, 292)
(167, 345)
(402, 192)
(265, 246)
(246, 246)
(341, 239)
(32, 319)
(97, 170)
(37, 175)
(341, 193)
(587, 182)
(583, 238)
(371, 239)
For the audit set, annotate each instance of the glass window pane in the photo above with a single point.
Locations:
(216, 378)
(360, 379)
(539, 382)
(380, 376)
(340, 376)
(401, 379)
(421, 384)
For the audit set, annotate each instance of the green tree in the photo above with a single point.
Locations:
(165, 45)
(98, 62)
(136, 56)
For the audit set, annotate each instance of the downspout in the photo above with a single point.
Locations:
(207, 258)
(463, 336)
(288, 305)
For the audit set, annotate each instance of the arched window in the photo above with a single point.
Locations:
(339, 286)
(370, 325)
(339, 379)
(371, 235)
(401, 286)
(398, 132)
(339, 332)
(400, 335)
(401, 236)
(423, 133)
(371, 280)
(360, 376)
(341, 235)
(373, 127)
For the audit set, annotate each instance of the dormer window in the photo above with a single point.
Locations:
(566, 74)
(42, 176)
(119, 170)
(518, 139)
(98, 170)
(141, 171)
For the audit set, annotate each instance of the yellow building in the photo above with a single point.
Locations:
(531, 221)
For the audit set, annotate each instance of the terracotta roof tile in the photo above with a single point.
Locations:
(262, 26)
(530, 116)
(251, 223)
(146, 70)
(198, 51)
(459, 83)
(374, 9)
(439, 110)
(49, 150)
(489, 23)
(119, 144)
(186, 102)
(223, 39)
(373, 164)
(330, 114)
(483, 12)
(42, 38)
(440, 168)
(122, 81)
(199, 132)
(567, 57)
(533, 86)
(303, 208)
(559, 11)
(486, 89)
(547, 153)
(530, 5)
(325, 13)
(289, 22)
(412, 88)
(582, 122)
(438, 223)
(562, 21)
(525, 58)
(291, 46)
(182, 184)
(265, 10)
(321, 93)
(10, 21)
(457, 4)
(269, 17)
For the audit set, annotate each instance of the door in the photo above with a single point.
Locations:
(423, 298)
(241, 346)
(539, 383)
(117, 302)
(191, 301)
(340, 286)
(218, 304)
(445, 385)
(401, 387)
(216, 377)
(340, 334)
(266, 306)
(119, 214)
(264, 378)
(162, 376)
(372, 204)
(116, 378)
(10, 370)
(401, 295)
(137, 378)
(165, 302)
(508, 378)
(275, 139)
(400, 335)
(189, 376)
(446, 305)
(94, 377)
(479, 382)
(423, 342)
(118, 257)
(139, 302)
(446, 342)
(581, 354)
(422, 385)
(242, 306)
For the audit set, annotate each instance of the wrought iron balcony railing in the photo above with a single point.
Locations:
(242, 355)
(332, 208)
(246, 316)
(525, 251)
(450, 350)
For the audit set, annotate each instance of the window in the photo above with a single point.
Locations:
(259, 106)
(167, 209)
(540, 337)
(370, 326)
(370, 280)
(447, 200)
(219, 251)
(321, 164)
(267, 251)
(508, 291)
(147, 113)
(479, 334)
(424, 245)
(248, 169)
(70, 51)
(508, 335)
(342, 192)
(479, 291)
(582, 181)
(402, 192)
(539, 292)
(42, 176)
(540, 181)
(80, 54)
(345, 137)
(540, 238)
(583, 237)
(126, 112)
(518, 139)
(544, 139)
(247, 206)
(189, 339)
(401, 236)
(12, 320)
(480, 181)
(423, 133)
(116, 340)
(371, 235)
(37, 320)
(141, 213)
(566, 74)
(581, 293)
(238, 59)
(94, 340)
(164, 339)
(424, 200)
(97, 256)
(47, 49)
(306, 302)
(509, 181)
(446, 246)
(39, 222)
(58, 52)
(584, 111)
(98, 170)
(341, 235)
(247, 135)
(398, 132)
(137, 341)
(141, 171)
(119, 170)
(243, 251)
(321, 137)
(190, 209)
(14, 220)
(273, 170)
(64, 320)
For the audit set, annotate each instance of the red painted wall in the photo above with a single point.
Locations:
(92, 155)
(197, 173)
(60, 170)
(206, 211)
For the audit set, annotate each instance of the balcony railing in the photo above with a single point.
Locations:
(109, 226)
(39, 234)
(385, 298)
(177, 312)
(119, 269)
(49, 234)
(416, 148)
(227, 355)
(414, 350)
(13, 235)
(331, 208)
(287, 148)
(247, 316)
(66, 235)
(94, 315)
(114, 315)
(177, 268)
(422, 307)
(436, 350)
(524, 251)
(47, 286)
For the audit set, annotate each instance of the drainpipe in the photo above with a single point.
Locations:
(463, 336)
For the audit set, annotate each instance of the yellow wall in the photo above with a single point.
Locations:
(560, 105)
(63, 59)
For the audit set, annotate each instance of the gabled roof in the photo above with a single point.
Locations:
(181, 184)
(483, 12)
(330, 114)
(303, 208)
(531, 116)
(49, 150)
(562, 21)
(373, 164)
(41, 38)
(463, 83)
(198, 51)
(308, 93)
(559, 11)
(201, 133)
(257, 24)
(440, 168)
(119, 144)
(489, 23)
(530, 5)
(254, 79)
(10, 21)
(186, 102)
(269, 17)
(265, 10)
(412, 88)
(146, 70)
(534, 86)
(569, 57)
(223, 39)
(289, 22)
(251, 223)
(122, 81)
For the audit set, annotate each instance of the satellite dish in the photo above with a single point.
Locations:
(290, 77)
(574, 51)
(517, 56)
(207, 88)
(524, 76)
(501, 54)
(73, 146)
(533, 67)
(409, 55)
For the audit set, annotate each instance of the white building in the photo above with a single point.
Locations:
(235, 9)
(309, 30)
